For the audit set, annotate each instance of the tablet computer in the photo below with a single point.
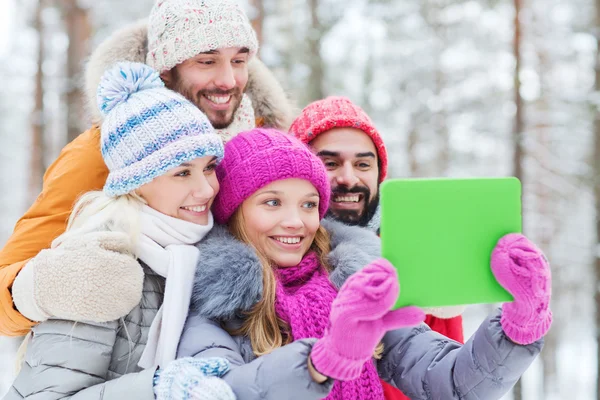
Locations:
(439, 234)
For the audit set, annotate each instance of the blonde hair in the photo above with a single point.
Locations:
(95, 211)
(265, 329)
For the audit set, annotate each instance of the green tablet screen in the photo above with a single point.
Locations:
(440, 233)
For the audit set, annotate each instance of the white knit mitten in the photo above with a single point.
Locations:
(92, 277)
(193, 378)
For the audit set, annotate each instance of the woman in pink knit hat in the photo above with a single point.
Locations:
(298, 320)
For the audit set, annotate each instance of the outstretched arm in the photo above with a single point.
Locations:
(426, 365)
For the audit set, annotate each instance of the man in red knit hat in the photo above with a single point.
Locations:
(346, 140)
(351, 148)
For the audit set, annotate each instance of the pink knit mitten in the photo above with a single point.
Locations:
(360, 316)
(523, 271)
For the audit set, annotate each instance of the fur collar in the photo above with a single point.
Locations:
(375, 223)
(269, 100)
(229, 277)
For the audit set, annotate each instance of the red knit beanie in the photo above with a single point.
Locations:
(338, 112)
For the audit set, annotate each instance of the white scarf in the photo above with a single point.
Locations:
(166, 245)
(243, 120)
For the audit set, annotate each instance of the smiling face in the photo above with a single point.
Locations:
(281, 220)
(214, 81)
(351, 160)
(185, 192)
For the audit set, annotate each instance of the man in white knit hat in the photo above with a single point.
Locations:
(210, 68)
(204, 49)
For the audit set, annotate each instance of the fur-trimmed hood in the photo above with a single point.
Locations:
(229, 276)
(269, 100)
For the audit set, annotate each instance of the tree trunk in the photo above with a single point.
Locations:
(78, 30)
(518, 127)
(597, 199)
(545, 197)
(544, 236)
(315, 82)
(519, 123)
(258, 20)
(441, 127)
(368, 75)
(440, 117)
(411, 147)
(36, 165)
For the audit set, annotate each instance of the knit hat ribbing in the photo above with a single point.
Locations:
(181, 29)
(259, 157)
(338, 112)
(148, 129)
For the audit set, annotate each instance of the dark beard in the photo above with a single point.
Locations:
(222, 121)
(351, 217)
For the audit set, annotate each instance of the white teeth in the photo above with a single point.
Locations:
(288, 240)
(347, 199)
(219, 99)
(195, 208)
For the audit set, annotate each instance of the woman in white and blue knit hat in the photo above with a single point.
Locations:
(161, 152)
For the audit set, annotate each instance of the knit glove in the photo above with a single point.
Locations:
(360, 316)
(523, 271)
(193, 378)
(92, 277)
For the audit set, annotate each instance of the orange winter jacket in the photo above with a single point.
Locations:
(78, 169)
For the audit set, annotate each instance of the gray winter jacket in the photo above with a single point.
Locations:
(79, 360)
(421, 363)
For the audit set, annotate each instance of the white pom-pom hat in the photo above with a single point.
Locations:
(148, 129)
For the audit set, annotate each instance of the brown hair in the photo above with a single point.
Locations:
(267, 331)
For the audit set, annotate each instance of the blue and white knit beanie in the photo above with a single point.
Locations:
(148, 129)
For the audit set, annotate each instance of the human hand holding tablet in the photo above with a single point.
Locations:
(439, 234)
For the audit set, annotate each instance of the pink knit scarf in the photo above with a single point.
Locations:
(304, 297)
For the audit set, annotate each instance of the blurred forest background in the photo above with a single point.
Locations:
(457, 88)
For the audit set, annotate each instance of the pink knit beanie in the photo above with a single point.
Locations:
(255, 158)
(338, 112)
